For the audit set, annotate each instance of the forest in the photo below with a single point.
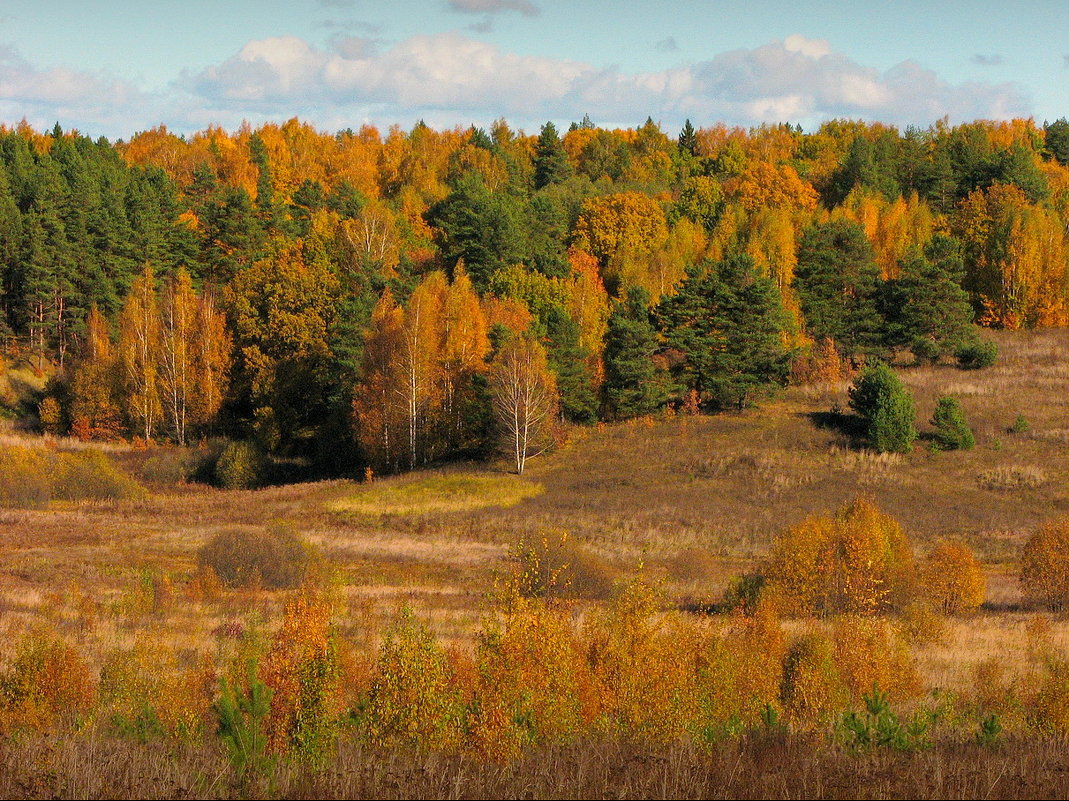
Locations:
(358, 301)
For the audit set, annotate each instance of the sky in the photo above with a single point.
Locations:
(112, 69)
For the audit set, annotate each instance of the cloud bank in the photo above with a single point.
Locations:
(451, 79)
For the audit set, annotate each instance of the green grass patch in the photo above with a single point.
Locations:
(437, 495)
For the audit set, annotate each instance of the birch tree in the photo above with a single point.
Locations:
(524, 392)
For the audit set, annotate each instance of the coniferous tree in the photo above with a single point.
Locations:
(927, 308)
(551, 161)
(688, 139)
(633, 384)
(886, 409)
(838, 284)
(728, 322)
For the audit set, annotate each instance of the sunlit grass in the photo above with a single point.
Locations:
(437, 495)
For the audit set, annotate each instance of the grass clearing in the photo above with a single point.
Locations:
(437, 494)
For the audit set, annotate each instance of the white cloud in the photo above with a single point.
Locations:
(76, 99)
(451, 79)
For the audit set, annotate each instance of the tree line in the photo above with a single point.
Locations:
(376, 290)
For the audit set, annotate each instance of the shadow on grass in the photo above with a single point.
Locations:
(849, 425)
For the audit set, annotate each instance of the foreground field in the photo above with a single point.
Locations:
(685, 504)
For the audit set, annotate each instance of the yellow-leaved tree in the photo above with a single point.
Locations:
(139, 343)
(857, 561)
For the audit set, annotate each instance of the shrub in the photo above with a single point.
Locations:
(533, 679)
(871, 652)
(25, 478)
(1020, 425)
(275, 558)
(812, 690)
(953, 578)
(241, 465)
(301, 669)
(413, 699)
(952, 432)
(886, 409)
(171, 466)
(976, 354)
(91, 475)
(50, 413)
(47, 681)
(551, 566)
(857, 562)
(1045, 565)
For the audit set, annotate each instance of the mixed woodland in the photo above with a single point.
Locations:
(382, 300)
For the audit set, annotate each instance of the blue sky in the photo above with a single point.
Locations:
(116, 68)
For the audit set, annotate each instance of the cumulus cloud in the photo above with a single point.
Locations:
(986, 60)
(43, 96)
(525, 7)
(450, 79)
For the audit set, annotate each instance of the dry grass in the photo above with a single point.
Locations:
(761, 768)
(436, 494)
(690, 502)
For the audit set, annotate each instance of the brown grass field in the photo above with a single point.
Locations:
(687, 502)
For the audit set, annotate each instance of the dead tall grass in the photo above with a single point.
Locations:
(792, 767)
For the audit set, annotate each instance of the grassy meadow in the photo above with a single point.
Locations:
(683, 504)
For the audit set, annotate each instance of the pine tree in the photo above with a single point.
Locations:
(551, 161)
(838, 284)
(952, 431)
(728, 322)
(633, 384)
(886, 408)
(928, 310)
(139, 349)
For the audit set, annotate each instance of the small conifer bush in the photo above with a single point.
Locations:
(952, 432)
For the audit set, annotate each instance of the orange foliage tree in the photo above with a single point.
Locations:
(953, 578)
(856, 562)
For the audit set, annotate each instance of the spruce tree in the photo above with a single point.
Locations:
(728, 321)
(633, 385)
(551, 161)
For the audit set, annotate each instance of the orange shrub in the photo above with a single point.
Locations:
(857, 562)
(813, 691)
(1045, 565)
(414, 700)
(870, 652)
(532, 681)
(301, 667)
(953, 578)
(742, 672)
(47, 683)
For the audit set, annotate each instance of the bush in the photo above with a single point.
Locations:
(91, 475)
(976, 354)
(50, 413)
(553, 567)
(952, 432)
(241, 465)
(1020, 425)
(1045, 565)
(857, 562)
(25, 478)
(886, 409)
(276, 558)
(953, 578)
